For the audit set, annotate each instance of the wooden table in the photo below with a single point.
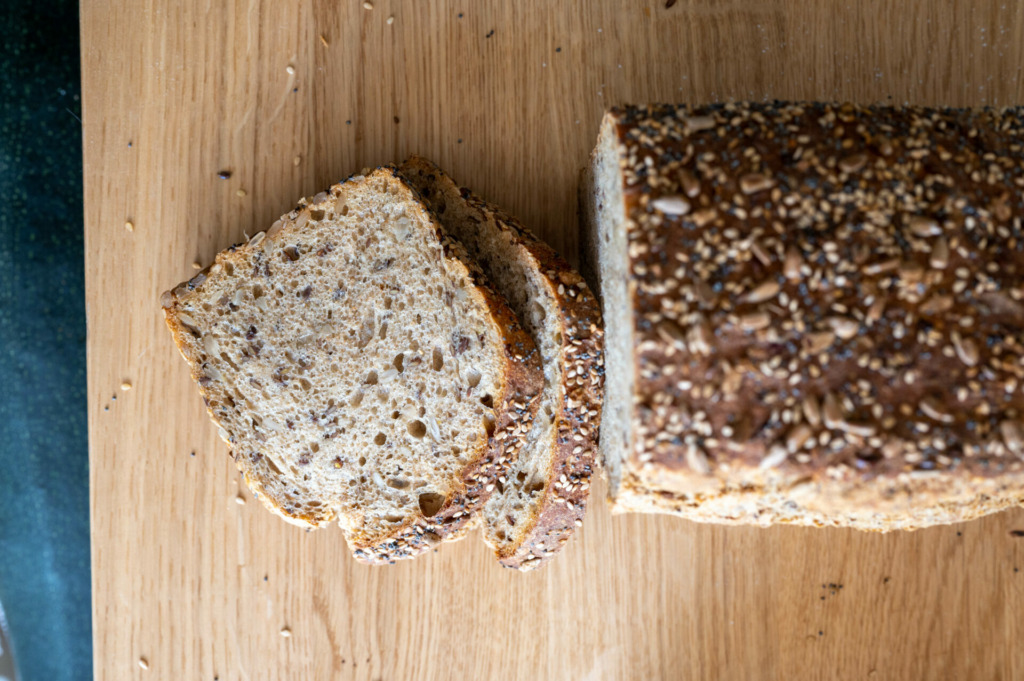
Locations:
(290, 96)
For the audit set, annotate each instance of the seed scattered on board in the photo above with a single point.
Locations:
(286, 632)
(297, 160)
(240, 500)
(126, 385)
(129, 225)
(290, 70)
(391, 20)
(196, 265)
(323, 40)
(367, 5)
(240, 192)
(143, 663)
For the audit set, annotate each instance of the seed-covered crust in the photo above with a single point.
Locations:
(826, 310)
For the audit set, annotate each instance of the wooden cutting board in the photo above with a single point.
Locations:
(194, 580)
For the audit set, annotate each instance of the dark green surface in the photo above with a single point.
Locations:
(44, 498)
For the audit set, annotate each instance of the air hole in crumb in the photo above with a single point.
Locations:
(291, 253)
(362, 461)
(399, 362)
(535, 486)
(417, 429)
(398, 483)
(306, 385)
(383, 330)
(395, 414)
(438, 359)
(419, 318)
(316, 215)
(344, 210)
(499, 486)
(380, 439)
(521, 477)
(387, 302)
(394, 518)
(473, 378)
(422, 411)
(500, 534)
(489, 424)
(371, 378)
(431, 503)
(487, 401)
(229, 269)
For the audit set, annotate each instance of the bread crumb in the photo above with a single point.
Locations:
(290, 69)
(391, 19)
(196, 265)
(129, 225)
(286, 632)
(297, 160)
(143, 663)
(367, 5)
(240, 192)
(126, 385)
(323, 40)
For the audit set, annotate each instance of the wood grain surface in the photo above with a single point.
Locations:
(291, 96)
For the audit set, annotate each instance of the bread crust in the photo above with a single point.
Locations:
(514, 407)
(825, 301)
(576, 319)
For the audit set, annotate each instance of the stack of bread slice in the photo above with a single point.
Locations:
(403, 358)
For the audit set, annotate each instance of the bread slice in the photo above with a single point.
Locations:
(542, 499)
(360, 368)
(814, 312)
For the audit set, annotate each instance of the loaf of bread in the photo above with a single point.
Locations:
(541, 500)
(814, 312)
(360, 368)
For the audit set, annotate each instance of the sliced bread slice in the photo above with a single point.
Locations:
(360, 368)
(542, 499)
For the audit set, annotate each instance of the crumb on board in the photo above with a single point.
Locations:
(129, 225)
(240, 192)
(240, 500)
(126, 385)
(367, 5)
(196, 265)
(391, 19)
(286, 632)
(297, 160)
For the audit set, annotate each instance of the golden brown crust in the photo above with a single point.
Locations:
(577, 419)
(825, 294)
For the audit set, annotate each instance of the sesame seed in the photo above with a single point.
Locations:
(129, 225)
(143, 663)
(126, 385)
(286, 632)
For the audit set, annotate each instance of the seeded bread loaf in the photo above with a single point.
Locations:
(360, 368)
(541, 500)
(814, 312)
